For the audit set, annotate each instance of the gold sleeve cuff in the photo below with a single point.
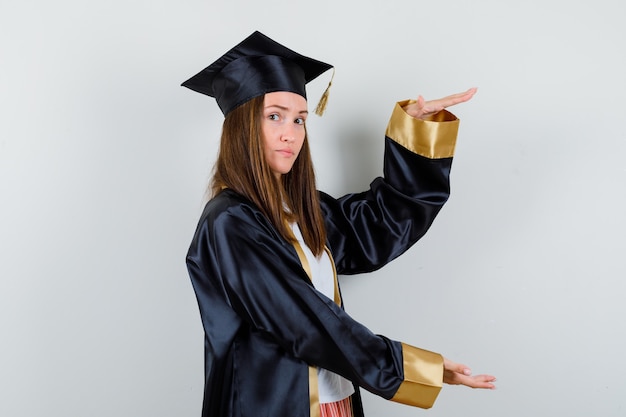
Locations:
(423, 377)
(434, 138)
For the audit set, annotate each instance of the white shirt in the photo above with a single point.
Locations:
(332, 387)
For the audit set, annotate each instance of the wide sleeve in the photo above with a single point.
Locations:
(369, 229)
(236, 257)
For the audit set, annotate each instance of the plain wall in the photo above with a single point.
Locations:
(104, 160)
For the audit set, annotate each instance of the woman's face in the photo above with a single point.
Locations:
(282, 129)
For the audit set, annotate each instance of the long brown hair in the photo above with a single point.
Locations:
(241, 166)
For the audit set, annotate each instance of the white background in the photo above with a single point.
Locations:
(104, 159)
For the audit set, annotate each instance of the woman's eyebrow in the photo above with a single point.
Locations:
(278, 106)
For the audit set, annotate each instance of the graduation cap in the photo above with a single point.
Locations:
(256, 66)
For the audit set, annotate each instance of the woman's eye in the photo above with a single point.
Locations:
(300, 121)
(273, 116)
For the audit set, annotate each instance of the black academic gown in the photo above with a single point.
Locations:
(267, 328)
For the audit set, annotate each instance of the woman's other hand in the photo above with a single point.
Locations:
(458, 374)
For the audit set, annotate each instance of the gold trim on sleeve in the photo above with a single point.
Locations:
(423, 377)
(433, 138)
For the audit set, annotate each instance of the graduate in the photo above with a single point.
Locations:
(268, 247)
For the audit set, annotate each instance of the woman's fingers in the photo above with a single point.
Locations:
(459, 374)
(422, 109)
(451, 100)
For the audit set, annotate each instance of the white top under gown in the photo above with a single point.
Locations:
(332, 387)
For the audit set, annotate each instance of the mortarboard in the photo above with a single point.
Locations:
(256, 66)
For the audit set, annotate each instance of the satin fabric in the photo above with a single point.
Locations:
(256, 66)
(264, 322)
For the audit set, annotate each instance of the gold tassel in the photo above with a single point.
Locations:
(321, 105)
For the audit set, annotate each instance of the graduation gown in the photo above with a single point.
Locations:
(267, 328)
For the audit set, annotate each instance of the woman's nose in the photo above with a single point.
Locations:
(288, 134)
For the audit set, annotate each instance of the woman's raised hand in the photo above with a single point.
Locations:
(422, 109)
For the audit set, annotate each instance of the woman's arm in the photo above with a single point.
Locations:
(369, 229)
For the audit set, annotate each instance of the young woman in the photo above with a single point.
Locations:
(268, 247)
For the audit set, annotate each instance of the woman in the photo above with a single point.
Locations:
(265, 256)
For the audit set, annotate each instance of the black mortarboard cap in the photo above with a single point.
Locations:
(256, 66)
